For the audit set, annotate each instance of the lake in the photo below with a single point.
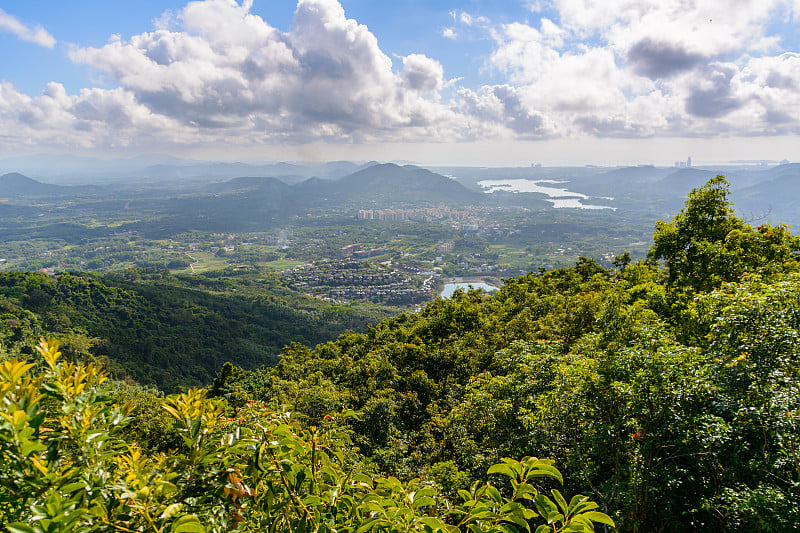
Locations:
(560, 198)
(450, 288)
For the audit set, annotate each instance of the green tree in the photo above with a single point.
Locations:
(706, 244)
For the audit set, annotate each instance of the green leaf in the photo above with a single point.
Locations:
(508, 528)
(171, 511)
(494, 494)
(19, 528)
(524, 489)
(367, 525)
(423, 501)
(583, 507)
(543, 470)
(502, 468)
(560, 501)
(73, 487)
(312, 500)
(433, 523)
(510, 507)
(577, 500)
(466, 496)
(545, 505)
(188, 524)
(596, 516)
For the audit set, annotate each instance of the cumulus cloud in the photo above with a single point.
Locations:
(714, 97)
(661, 59)
(215, 73)
(228, 69)
(93, 118)
(504, 107)
(422, 73)
(653, 67)
(37, 35)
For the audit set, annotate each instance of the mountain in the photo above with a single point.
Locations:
(641, 173)
(66, 168)
(254, 203)
(246, 184)
(774, 200)
(338, 169)
(15, 184)
(176, 332)
(684, 180)
(390, 184)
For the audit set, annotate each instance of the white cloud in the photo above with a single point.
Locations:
(224, 75)
(422, 73)
(166, 21)
(228, 69)
(37, 35)
(449, 33)
(91, 119)
(469, 20)
(653, 67)
(534, 6)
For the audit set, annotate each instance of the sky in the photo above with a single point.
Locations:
(473, 82)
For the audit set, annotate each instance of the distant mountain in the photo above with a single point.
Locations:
(774, 199)
(680, 182)
(67, 168)
(789, 170)
(245, 184)
(337, 169)
(254, 203)
(15, 184)
(389, 183)
(642, 173)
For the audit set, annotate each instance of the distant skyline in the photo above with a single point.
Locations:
(476, 82)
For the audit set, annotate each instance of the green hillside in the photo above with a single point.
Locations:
(176, 332)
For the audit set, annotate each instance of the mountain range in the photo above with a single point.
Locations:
(277, 192)
(70, 169)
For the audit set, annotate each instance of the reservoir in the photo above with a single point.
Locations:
(559, 197)
(450, 288)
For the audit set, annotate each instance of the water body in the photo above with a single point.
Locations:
(575, 203)
(560, 198)
(450, 288)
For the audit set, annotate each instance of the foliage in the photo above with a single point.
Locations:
(67, 466)
(706, 244)
(171, 332)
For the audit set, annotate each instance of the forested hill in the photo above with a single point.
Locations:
(176, 332)
(667, 390)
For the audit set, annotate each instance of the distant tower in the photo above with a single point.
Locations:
(689, 162)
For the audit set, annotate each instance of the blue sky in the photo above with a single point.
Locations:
(479, 82)
(403, 27)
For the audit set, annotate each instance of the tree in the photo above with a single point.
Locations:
(706, 244)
